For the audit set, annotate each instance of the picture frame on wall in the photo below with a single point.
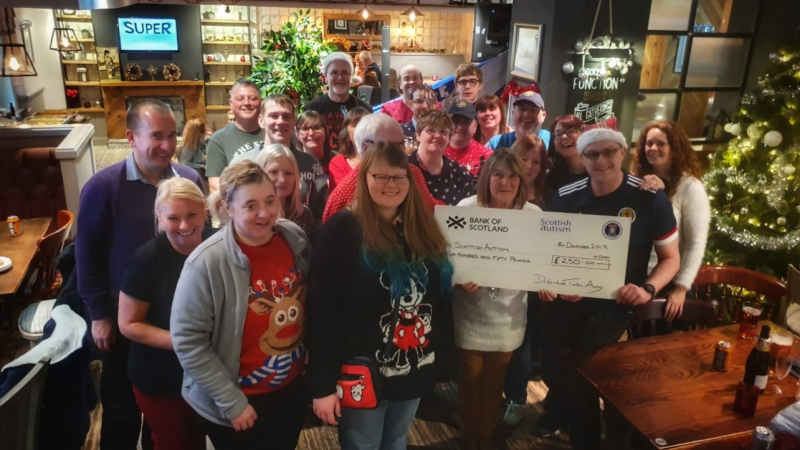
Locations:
(526, 51)
(108, 64)
(340, 24)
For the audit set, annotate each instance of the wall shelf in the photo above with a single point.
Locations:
(219, 83)
(226, 42)
(231, 63)
(151, 83)
(244, 23)
(65, 17)
(76, 61)
(217, 108)
(90, 40)
(81, 83)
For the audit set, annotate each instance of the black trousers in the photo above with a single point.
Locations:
(280, 419)
(582, 329)
(122, 419)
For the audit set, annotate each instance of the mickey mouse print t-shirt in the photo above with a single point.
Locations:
(273, 354)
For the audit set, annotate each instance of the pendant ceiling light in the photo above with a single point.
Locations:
(228, 4)
(365, 12)
(193, 2)
(16, 61)
(413, 13)
(63, 38)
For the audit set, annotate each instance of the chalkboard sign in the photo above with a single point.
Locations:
(594, 99)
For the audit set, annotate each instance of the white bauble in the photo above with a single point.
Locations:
(773, 138)
(736, 129)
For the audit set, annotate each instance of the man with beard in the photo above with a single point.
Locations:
(238, 137)
(334, 106)
(463, 149)
(527, 116)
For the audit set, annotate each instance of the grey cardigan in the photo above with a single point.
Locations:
(207, 321)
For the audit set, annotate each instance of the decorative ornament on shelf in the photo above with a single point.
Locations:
(152, 71)
(171, 72)
(133, 72)
(773, 138)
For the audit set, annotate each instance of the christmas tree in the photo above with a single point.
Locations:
(752, 181)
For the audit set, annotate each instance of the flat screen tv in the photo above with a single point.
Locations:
(138, 34)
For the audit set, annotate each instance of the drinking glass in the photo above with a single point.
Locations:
(782, 341)
(748, 326)
(783, 365)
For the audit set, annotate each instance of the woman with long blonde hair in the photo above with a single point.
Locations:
(192, 151)
(379, 280)
(281, 166)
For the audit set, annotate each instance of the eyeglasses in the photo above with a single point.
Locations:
(433, 132)
(337, 74)
(385, 179)
(472, 82)
(308, 129)
(569, 132)
(607, 154)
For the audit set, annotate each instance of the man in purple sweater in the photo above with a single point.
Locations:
(116, 217)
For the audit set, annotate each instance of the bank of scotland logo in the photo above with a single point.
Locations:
(455, 222)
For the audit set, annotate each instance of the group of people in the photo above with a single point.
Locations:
(328, 252)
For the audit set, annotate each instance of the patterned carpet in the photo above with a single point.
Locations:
(435, 427)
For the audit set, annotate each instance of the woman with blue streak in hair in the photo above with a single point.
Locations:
(380, 272)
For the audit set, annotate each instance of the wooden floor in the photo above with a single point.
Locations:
(435, 427)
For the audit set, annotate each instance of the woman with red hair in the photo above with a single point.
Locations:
(664, 158)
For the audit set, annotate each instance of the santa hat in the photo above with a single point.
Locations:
(600, 134)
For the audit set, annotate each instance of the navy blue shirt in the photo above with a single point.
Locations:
(453, 184)
(653, 222)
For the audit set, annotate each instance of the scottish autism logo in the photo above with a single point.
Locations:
(137, 34)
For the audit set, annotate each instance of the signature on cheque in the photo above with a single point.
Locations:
(574, 282)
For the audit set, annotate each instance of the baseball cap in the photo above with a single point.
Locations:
(530, 96)
(463, 108)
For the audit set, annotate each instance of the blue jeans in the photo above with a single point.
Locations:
(382, 428)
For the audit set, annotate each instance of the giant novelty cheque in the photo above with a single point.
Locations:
(534, 251)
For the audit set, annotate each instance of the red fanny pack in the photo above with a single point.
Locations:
(359, 384)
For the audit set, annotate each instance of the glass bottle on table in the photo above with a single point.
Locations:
(756, 370)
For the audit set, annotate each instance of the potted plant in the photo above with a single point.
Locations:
(293, 61)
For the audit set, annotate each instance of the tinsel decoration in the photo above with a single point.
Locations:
(512, 88)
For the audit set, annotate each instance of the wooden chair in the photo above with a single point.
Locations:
(649, 318)
(726, 287)
(48, 281)
(790, 315)
(19, 410)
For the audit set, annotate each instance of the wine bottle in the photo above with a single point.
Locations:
(756, 371)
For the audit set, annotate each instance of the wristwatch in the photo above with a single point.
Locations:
(650, 290)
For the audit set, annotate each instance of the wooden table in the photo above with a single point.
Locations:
(664, 387)
(21, 250)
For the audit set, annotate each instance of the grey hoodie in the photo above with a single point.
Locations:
(207, 321)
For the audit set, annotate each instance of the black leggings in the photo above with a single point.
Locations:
(280, 419)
